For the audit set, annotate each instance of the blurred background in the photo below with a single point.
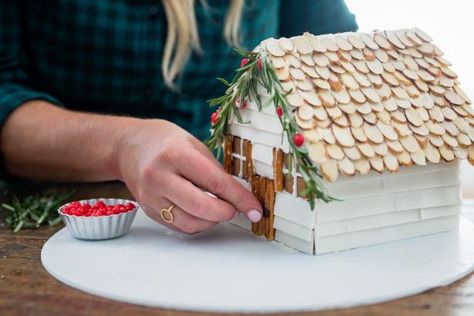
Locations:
(450, 23)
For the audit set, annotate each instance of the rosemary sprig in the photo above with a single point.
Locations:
(258, 71)
(35, 210)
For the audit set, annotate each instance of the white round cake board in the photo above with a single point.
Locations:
(228, 270)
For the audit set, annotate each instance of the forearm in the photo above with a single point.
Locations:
(41, 141)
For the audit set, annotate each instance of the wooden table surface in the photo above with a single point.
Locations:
(27, 289)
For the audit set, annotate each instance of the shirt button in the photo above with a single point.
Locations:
(154, 10)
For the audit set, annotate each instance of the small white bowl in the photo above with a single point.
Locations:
(99, 227)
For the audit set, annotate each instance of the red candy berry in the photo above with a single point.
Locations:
(244, 62)
(298, 140)
(100, 204)
(75, 205)
(279, 111)
(214, 117)
(259, 64)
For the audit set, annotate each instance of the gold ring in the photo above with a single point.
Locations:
(167, 214)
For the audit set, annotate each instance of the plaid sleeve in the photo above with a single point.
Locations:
(15, 86)
(315, 16)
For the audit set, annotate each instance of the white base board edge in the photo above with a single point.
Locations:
(217, 271)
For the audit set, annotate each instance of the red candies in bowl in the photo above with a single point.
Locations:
(99, 219)
(98, 208)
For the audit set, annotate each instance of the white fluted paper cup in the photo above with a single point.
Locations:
(99, 227)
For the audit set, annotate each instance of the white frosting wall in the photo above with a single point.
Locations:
(467, 176)
(375, 208)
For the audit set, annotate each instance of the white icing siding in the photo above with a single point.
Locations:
(293, 229)
(262, 153)
(260, 120)
(294, 209)
(259, 137)
(385, 234)
(375, 209)
(387, 203)
(289, 240)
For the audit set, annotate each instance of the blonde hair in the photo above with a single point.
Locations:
(183, 37)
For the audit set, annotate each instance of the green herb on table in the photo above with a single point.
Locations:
(35, 210)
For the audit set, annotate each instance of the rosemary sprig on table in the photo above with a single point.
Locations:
(254, 72)
(35, 210)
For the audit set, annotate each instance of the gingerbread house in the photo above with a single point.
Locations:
(385, 121)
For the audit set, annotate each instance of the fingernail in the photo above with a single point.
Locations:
(236, 215)
(254, 216)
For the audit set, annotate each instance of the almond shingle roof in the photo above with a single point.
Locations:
(373, 101)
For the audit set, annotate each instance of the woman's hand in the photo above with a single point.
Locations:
(163, 165)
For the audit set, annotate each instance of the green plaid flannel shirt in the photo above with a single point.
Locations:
(105, 56)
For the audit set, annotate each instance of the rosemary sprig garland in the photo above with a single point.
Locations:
(256, 70)
(35, 210)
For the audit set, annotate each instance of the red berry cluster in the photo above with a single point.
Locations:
(97, 209)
